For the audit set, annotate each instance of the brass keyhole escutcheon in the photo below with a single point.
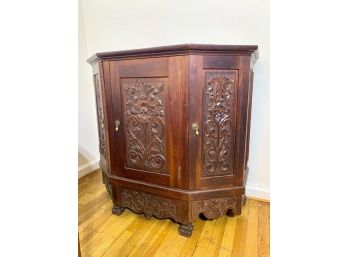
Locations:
(117, 125)
(195, 127)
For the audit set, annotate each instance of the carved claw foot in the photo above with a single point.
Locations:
(230, 213)
(186, 229)
(117, 210)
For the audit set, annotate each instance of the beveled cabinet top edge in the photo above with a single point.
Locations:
(176, 50)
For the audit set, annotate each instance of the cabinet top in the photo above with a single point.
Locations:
(176, 50)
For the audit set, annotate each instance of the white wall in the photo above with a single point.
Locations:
(88, 155)
(117, 25)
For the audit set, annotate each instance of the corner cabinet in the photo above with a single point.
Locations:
(174, 129)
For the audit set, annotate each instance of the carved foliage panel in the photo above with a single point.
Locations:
(144, 118)
(150, 205)
(100, 115)
(219, 104)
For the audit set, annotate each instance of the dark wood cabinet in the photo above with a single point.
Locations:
(173, 126)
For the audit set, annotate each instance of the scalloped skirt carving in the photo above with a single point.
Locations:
(214, 208)
(148, 204)
(184, 212)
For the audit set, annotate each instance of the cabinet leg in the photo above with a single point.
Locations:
(117, 210)
(244, 199)
(230, 213)
(186, 229)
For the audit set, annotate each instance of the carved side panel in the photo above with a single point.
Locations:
(144, 107)
(214, 208)
(100, 116)
(148, 204)
(219, 103)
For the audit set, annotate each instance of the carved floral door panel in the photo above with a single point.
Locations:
(144, 105)
(144, 132)
(219, 120)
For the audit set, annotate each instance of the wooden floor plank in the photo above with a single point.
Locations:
(191, 243)
(168, 241)
(157, 240)
(238, 249)
(263, 230)
(140, 229)
(245, 211)
(110, 224)
(178, 244)
(85, 214)
(203, 242)
(253, 221)
(228, 237)
(146, 241)
(116, 246)
(107, 235)
(94, 222)
(215, 240)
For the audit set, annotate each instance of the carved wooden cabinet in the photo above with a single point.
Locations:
(174, 129)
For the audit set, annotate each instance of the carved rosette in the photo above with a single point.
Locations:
(144, 104)
(218, 123)
(100, 115)
(148, 204)
(215, 208)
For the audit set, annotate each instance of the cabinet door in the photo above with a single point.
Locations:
(144, 115)
(217, 111)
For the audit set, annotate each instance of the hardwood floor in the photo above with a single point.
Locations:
(104, 234)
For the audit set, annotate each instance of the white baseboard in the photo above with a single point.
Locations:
(257, 191)
(88, 168)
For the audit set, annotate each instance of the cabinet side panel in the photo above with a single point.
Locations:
(102, 115)
(105, 72)
(251, 81)
(249, 116)
(243, 117)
